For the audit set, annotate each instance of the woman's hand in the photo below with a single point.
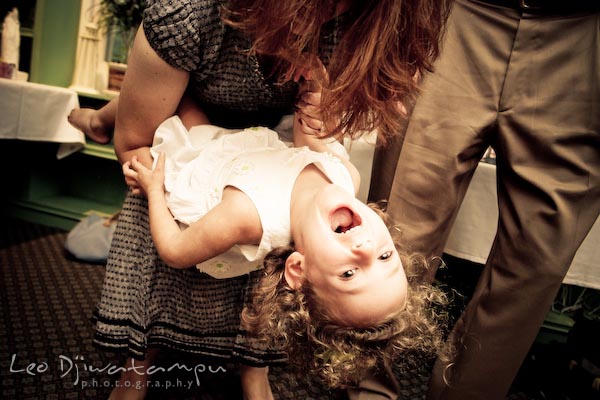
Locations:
(308, 103)
(308, 109)
(143, 180)
(308, 125)
(309, 128)
(308, 115)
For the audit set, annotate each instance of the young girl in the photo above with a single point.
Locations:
(338, 299)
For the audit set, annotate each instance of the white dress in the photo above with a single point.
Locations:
(202, 162)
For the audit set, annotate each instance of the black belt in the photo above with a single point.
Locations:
(548, 6)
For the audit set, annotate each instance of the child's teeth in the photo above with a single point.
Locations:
(351, 229)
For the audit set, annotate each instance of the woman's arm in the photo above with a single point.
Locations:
(151, 92)
(233, 221)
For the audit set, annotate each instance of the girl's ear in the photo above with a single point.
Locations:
(294, 270)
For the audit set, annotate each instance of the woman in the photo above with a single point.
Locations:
(237, 61)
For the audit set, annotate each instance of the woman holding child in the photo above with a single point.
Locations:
(237, 64)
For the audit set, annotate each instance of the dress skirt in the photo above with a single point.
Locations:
(146, 303)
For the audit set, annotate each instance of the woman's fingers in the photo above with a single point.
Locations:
(315, 125)
(313, 128)
(309, 105)
(310, 86)
(308, 109)
(309, 98)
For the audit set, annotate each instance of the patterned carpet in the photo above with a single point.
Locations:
(46, 351)
(47, 301)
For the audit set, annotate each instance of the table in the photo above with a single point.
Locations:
(475, 228)
(32, 111)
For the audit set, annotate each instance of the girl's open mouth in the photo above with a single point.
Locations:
(343, 220)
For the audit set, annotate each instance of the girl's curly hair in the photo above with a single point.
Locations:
(337, 355)
(386, 45)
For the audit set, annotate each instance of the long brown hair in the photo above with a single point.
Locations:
(374, 68)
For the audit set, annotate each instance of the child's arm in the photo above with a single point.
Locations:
(233, 221)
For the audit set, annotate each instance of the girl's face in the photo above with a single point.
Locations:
(347, 253)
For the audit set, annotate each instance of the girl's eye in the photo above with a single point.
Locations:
(348, 274)
(385, 255)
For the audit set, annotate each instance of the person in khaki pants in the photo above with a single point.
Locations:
(523, 77)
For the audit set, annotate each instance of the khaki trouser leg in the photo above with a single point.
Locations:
(529, 87)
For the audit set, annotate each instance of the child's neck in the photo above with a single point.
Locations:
(308, 183)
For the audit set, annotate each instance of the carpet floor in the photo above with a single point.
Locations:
(47, 299)
(46, 352)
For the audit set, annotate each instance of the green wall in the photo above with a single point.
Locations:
(55, 41)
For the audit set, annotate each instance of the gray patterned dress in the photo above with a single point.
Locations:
(144, 302)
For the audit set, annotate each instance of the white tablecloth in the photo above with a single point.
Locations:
(475, 228)
(31, 111)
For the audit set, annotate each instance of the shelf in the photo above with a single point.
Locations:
(42, 188)
(26, 32)
(59, 211)
(72, 207)
(106, 151)
(60, 192)
(105, 95)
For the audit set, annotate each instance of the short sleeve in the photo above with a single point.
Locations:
(184, 33)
